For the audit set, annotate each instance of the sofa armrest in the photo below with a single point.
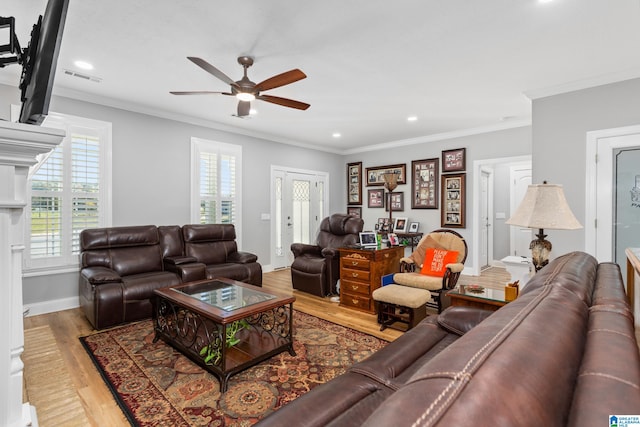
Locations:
(242, 257)
(98, 275)
(407, 265)
(299, 249)
(178, 260)
(188, 272)
(329, 252)
(456, 267)
(461, 319)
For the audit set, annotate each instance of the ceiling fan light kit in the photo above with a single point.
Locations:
(245, 90)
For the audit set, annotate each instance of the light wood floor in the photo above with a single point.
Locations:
(76, 394)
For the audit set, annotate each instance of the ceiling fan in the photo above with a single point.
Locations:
(246, 90)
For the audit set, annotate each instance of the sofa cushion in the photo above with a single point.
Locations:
(417, 280)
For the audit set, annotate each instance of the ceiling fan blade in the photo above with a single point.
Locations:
(211, 70)
(243, 108)
(198, 92)
(281, 80)
(284, 102)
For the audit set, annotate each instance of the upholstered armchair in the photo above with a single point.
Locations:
(435, 265)
(316, 268)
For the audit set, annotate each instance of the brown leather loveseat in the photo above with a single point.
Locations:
(121, 266)
(564, 353)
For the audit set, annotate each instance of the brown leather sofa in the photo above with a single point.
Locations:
(121, 266)
(316, 268)
(563, 353)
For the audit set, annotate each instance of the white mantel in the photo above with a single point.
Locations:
(19, 146)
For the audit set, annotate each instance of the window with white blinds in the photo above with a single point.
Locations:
(70, 191)
(216, 175)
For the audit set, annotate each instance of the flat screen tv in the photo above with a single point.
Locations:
(39, 64)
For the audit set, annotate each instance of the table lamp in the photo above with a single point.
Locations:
(544, 206)
(390, 183)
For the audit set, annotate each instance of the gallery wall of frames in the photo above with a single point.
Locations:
(435, 183)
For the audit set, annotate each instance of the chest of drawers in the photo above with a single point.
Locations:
(361, 271)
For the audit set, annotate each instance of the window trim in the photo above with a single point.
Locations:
(200, 145)
(103, 130)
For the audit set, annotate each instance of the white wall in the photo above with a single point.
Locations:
(560, 124)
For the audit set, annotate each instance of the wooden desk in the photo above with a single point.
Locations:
(361, 271)
(633, 275)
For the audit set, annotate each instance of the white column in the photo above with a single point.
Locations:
(20, 144)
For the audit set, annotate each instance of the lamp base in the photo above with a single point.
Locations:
(540, 249)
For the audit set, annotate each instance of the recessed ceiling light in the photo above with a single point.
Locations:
(336, 135)
(412, 118)
(83, 65)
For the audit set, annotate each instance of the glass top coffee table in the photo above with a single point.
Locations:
(477, 296)
(224, 325)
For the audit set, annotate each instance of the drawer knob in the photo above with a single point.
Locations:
(354, 262)
(354, 301)
(386, 255)
(355, 288)
(354, 274)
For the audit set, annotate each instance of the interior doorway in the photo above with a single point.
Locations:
(495, 238)
(298, 204)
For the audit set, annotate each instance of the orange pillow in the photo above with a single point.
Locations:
(436, 260)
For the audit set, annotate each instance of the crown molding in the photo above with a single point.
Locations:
(509, 124)
(575, 85)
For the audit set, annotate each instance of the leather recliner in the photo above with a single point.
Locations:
(316, 268)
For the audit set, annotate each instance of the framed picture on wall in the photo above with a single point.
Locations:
(424, 184)
(375, 198)
(454, 160)
(354, 183)
(453, 197)
(354, 211)
(397, 202)
(375, 175)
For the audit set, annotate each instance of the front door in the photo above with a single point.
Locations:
(298, 206)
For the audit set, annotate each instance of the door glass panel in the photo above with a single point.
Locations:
(301, 205)
(626, 204)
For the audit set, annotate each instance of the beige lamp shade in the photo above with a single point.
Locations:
(544, 206)
(390, 180)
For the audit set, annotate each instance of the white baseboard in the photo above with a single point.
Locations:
(51, 306)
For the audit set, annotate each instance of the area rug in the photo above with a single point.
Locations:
(155, 385)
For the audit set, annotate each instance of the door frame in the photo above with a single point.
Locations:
(599, 183)
(477, 167)
(276, 169)
(489, 172)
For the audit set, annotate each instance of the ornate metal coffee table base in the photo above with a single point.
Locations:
(224, 349)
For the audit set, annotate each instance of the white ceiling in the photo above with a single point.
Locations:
(460, 66)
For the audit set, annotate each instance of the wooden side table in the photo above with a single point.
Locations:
(488, 299)
(361, 272)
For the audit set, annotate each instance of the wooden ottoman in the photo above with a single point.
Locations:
(402, 304)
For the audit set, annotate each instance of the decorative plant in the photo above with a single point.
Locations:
(212, 354)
